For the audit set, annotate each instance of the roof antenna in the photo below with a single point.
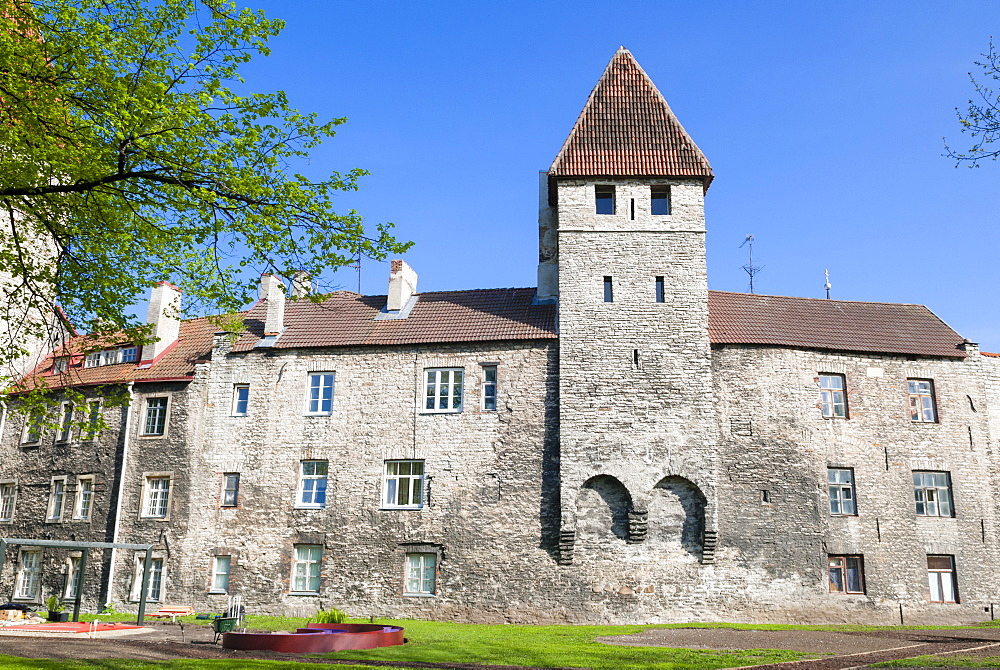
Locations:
(750, 268)
(827, 285)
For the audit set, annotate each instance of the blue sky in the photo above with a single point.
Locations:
(824, 123)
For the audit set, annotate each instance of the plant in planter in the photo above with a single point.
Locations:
(56, 608)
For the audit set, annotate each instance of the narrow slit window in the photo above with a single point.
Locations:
(604, 198)
(632, 208)
(660, 294)
(609, 294)
(659, 200)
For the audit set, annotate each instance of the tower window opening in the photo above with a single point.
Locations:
(604, 197)
(632, 208)
(659, 203)
(609, 295)
(660, 295)
(636, 362)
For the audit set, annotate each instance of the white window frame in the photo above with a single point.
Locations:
(319, 392)
(31, 424)
(83, 499)
(921, 400)
(226, 488)
(150, 495)
(434, 384)
(163, 419)
(93, 414)
(8, 500)
(60, 365)
(941, 583)
(400, 488)
(843, 496)
(93, 359)
(416, 581)
(57, 499)
(832, 397)
(157, 578)
(933, 498)
(72, 576)
(307, 568)
(301, 494)
(237, 388)
(33, 576)
(218, 562)
(65, 433)
(128, 354)
(490, 387)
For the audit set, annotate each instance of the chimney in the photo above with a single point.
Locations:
(273, 291)
(165, 316)
(301, 284)
(402, 285)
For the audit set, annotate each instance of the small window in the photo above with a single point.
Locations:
(922, 405)
(306, 568)
(57, 497)
(220, 574)
(128, 354)
(847, 574)
(421, 574)
(65, 422)
(230, 489)
(609, 291)
(93, 420)
(60, 365)
(941, 579)
(444, 389)
(604, 197)
(320, 393)
(72, 577)
(29, 573)
(661, 295)
(32, 432)
(8, 498)
(403, 484)
(92, 360)
(312, 484)
(156, 497)
(932, 493)
(659, 200)
(841, 486)
(832, 398)
(241, 399)
(490, 388)
(154, 591)
(156, 417)
(84, 501)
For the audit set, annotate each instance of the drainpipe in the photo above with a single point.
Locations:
(121, 491)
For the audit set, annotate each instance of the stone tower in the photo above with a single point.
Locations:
(622, 250)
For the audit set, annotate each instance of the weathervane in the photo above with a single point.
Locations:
(750, 268)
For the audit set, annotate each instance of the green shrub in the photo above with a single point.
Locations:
(332, 615)
(53, 604)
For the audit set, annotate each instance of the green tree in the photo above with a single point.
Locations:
(129, 157)
(981, 121)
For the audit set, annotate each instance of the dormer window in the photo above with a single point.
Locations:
(60, 365)
(111, 356)
(604, 197)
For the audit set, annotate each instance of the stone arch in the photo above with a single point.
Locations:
(677, 515)
(602, 508)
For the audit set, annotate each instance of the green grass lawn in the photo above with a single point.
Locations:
(949, 661)
(12, 663)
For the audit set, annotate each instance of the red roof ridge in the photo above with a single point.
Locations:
(824, 300)
(990, 354)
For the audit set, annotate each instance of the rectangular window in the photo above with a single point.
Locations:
(230, 489)
(609, 290)
(110, 356)
(93, 420)
(847, 574)
(156, 417)
(941, 579)
(65, 422)
(156, 497)
(241, 399)
(922, 407)
(490, 388)
(932, 493)
(57, 496)
(72, 577)
(421, 574)
(661, 295)
(306, 568)
(29, 572)
(320, 393)
(832, 396)
(444, 389)
(84, 498)
(128, 354)
(312, 484)
(659, 200)
(8, 498)
(841, 485)
(92, 360)
(154, 591)
(60, 365)
(403, 484)
(604, 197)
(32, 429)
(220, 574)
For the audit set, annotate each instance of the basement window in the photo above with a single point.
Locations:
(847, 574)
(941, 579)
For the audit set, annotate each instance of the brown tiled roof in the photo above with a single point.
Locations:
(627, 129)
(840, 325)
(346, 318)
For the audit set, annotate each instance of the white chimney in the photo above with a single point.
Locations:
(402, 285)
(301, 284)
(273, 291)
(165, 316)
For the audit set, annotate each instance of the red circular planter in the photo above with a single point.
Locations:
(318, 638)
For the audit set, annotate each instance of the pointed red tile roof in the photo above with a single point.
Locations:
(627, 129)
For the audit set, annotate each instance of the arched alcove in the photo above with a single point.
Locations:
(677, 514)
(602, 508)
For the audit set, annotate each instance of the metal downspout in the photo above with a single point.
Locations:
(121, 492)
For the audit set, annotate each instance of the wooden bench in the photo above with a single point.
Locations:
(172, 612)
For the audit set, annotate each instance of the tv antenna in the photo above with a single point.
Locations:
(827, 285)
(750, 268)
